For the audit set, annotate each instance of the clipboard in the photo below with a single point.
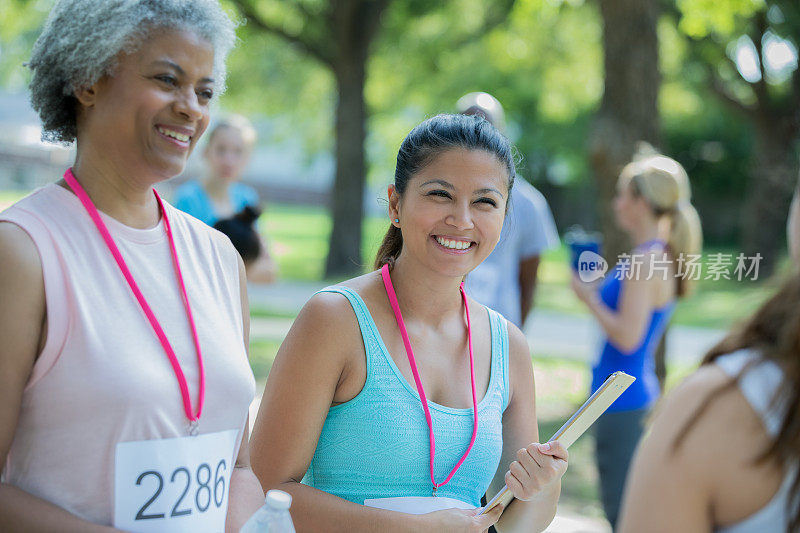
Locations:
(578, 423)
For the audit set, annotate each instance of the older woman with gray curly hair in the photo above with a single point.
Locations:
(124, 382)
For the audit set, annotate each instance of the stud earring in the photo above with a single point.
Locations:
(397, 221)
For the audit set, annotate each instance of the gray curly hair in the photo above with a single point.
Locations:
(81, 40)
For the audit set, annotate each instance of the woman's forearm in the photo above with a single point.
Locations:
(533, 515)
(315, 510)
(23, 512)
(607, 318)
(619, 333)
(245, 498)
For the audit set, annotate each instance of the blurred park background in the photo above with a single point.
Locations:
(333, 86)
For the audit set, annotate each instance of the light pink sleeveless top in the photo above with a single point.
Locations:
(103, 377)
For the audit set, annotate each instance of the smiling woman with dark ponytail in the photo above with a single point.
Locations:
(421, 145)
(411, 389)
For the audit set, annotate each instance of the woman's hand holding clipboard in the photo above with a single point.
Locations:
(578, 423)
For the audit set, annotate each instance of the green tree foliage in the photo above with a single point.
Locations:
(710, 141)
(544, 65)
(543, 59)
(723, 17)
(339, 35)
(745, 53)
(20, 23)
(267, 76)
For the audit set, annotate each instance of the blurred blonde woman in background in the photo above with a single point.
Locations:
(221, 197)
(722, 454)
(635, 302)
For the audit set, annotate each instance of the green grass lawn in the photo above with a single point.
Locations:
(262, 354)
(298, 236)
(299, 239)
(561, 387)
(9, 197)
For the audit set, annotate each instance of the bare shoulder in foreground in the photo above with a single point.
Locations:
(696, 472)
(22, 311)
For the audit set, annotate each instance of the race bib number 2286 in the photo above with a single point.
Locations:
(174, 485)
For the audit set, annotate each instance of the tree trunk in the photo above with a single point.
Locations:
(773, 178)
(629, 109)
(628, 113)
(355, 24)
(339, 36)
(344, 254)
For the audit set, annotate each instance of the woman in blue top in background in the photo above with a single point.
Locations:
(221, 196)
(343, 406)
(635, 302)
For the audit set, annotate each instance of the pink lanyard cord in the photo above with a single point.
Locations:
(387, 282)
(112, 247)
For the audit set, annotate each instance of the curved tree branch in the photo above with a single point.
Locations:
(314, 46)
(760, 86)
(719, 88)
(715, 83)
(795, 102)
(372, 15)
(497, 14)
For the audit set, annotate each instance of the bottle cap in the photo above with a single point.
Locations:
(277, 499)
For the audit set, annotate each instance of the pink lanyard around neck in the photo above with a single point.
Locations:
(112, 247)
(387, 282)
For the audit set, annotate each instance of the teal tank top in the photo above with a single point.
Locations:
(376, 445)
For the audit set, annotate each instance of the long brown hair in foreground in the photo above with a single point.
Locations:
(774, 332)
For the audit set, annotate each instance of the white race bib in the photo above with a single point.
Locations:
(174, 485)
(417, 504)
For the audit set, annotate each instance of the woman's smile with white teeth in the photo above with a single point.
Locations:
(175, 135)
(453, 244)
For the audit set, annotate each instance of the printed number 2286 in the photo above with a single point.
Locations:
(208, 490)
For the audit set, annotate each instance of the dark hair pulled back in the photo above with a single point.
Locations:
(428, 140)
(239, 229)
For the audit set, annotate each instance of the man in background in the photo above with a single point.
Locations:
(506, 280)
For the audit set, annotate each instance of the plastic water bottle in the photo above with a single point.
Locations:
(273, 517)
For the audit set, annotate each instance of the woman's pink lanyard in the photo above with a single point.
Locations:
(387, 282)
(112, 247)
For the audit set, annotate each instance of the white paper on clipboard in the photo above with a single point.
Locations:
(417, 504)
(578, 423)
